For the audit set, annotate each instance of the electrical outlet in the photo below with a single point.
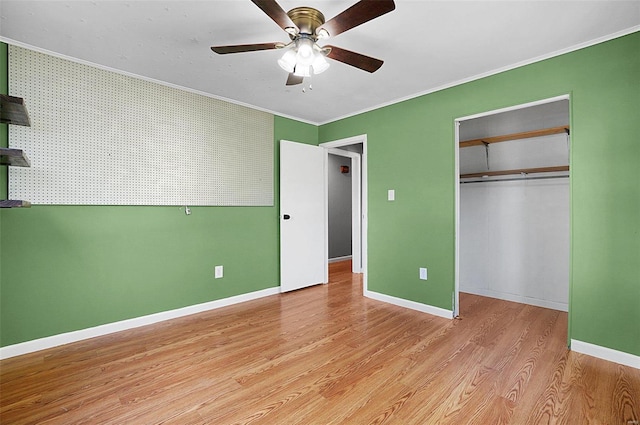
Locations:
(219, 272)
(423, 273)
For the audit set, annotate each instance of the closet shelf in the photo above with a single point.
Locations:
(516, 171)
(515, 136)
(15, 157)
(9, 203)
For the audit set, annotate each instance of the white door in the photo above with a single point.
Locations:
(303, 250)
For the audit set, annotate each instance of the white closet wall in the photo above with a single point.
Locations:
(514, 241)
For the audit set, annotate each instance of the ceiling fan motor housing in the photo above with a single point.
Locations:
(307, 19)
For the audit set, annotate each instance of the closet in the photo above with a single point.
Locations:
(514, 205)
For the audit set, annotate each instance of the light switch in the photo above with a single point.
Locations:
(391, 195)
(423, 273)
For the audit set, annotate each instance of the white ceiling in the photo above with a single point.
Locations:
(426, 45)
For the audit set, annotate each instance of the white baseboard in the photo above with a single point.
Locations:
(425, 308)
(605, 353)
(69, 337)
(554, 305)
(337, 259)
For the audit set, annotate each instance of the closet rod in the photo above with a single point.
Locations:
(516, 179)
(553, 169)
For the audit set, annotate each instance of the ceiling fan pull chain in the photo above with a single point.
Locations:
(304, 89)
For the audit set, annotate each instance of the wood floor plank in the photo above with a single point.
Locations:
(325, 355)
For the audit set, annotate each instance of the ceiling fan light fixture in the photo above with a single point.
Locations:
(319, 64)
(322, 33)
(306, 52)
(302, 70)
(288, 60)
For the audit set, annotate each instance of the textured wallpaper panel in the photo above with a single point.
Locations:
(102, 138)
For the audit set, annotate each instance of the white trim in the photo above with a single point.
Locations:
(354, 140)
(540, 58)
(605, 353)
(424, 308)
(75, 336)
(338, 259)
(356, 216)
(325, 183)
(456, 229)
(516, 107)
(522, 299)
(148, 79)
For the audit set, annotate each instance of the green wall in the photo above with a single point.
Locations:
(411, 150)
(72, 267)
(66, 268)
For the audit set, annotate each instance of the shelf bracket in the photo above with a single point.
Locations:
(486, 153)
(13, 111)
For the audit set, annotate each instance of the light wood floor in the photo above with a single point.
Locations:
(326, 355)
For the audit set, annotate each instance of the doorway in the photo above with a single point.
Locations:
(339, 206)
(355, 149)
(512, 204)
(344, 193)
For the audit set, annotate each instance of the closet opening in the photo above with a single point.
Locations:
(512, 204)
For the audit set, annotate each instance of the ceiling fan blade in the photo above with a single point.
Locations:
(239, 48)
(359, 13)
(293, 79)
(366, 63)
(275, 12)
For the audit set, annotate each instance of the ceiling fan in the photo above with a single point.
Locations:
(305, 26)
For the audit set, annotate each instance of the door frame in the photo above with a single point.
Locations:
(457, 121)
(359, 221)
(356, 203)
